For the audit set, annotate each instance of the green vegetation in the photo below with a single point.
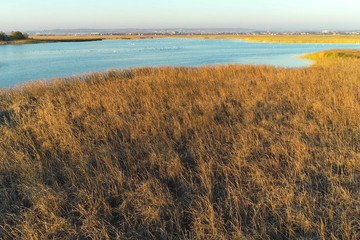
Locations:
(333, 54)
(3, 36)
(216, 152)
(23, 38)
(13, 36)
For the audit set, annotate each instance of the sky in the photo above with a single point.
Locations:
(277, 15)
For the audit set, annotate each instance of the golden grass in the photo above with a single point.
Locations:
(216, 152)
(305, 38)
(333, 54)
(24, 41)
(256, 38)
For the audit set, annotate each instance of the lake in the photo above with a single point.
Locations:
(21, 63)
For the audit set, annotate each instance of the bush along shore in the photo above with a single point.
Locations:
(23, 38)
(214, 152)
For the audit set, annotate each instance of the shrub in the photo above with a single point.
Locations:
(3, 36)
(17, 35)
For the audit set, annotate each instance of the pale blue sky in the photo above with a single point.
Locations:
(255, 14)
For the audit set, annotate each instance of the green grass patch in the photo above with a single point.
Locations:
(333, 54)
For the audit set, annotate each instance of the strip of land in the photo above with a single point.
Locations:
(304, 38)
(48, 40)
(333, 54)
(255, 38)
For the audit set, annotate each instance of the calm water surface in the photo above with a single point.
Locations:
(21, 63)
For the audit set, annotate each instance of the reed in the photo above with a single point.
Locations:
(214, 152)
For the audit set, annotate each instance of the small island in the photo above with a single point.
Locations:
(17, 37)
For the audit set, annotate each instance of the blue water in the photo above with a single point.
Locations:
(21, 63)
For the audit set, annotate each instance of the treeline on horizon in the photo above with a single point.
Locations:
(15, 35)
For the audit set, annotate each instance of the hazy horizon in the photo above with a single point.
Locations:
(167, 30)
(279, 15)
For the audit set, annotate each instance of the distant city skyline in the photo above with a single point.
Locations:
(277, 15)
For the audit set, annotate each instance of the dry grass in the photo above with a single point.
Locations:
(49, 40)
(256, 38)
(24, 41)
(333, 54)
(305, 38)
(225, 152)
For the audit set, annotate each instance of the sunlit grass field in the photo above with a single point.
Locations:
(214, 152)
(256, 38)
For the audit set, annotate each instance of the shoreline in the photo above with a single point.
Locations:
(321, 39)
(342, 39)
(315, 58)
(37, 41)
